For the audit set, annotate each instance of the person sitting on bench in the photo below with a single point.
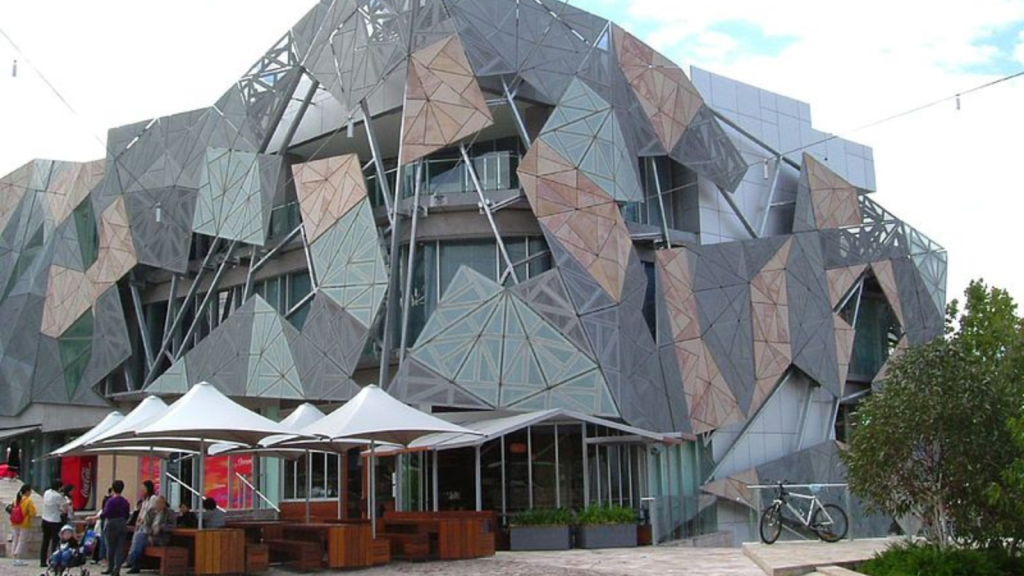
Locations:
(213, 517)
(149, 532)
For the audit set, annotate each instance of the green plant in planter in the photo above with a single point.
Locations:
(596, 515)
(543, 517)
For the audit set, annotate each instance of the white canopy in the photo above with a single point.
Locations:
(301, 417)
(119, 438)
(490, 428)
(75, 446)
(147, 411)
(374, 415)
(205, 415)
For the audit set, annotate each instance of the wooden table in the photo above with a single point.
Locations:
(213, 551)
(453, 535)
(346, 545)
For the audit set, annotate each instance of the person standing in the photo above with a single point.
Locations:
(147, 497)
(54, 508)
(115, 516)
(22, 512)
(12, 461)
(69, 502)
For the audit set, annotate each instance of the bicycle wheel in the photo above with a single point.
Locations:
(771, 524)
(831, 527)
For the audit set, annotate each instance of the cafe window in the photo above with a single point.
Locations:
(323, 473)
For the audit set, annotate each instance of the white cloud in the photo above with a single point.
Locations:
(1019, 52)
(954, 175)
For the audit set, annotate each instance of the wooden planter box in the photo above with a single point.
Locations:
(606, 536)
(540, 538)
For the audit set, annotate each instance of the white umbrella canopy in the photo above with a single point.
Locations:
(374, 415)
(205, 415)
(119, 439)
(147, 411)
(301, 417)
(75, 447)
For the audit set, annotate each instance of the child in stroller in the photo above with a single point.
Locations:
(69, 554)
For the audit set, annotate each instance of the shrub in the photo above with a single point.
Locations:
(606, 515)
(914, 559)
(543, 517)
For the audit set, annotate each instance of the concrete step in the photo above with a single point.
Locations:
(836, 571)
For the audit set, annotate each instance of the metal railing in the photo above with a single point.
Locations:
(190, 489)
(257, 492)
(495, 170)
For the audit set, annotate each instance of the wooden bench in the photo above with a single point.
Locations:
(300, 555)
(460, 534)
(213, 551)
(410, 546)
(257, 558)
(380, 552)
(173, 559)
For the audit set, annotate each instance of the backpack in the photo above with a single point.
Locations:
(17, 515)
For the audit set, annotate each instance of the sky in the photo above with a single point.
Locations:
(954, 174)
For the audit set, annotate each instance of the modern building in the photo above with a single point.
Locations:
(641, 283)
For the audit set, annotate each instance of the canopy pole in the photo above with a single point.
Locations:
(435, 490)
(202, 480)
(479, 482)
(309, 482)
(340, 486)
(373, 489)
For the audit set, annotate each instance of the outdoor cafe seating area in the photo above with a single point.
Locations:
(204, 422)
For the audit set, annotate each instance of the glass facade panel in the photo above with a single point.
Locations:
(541, 264)
(518, 250)
(517, 474)
(299, 287)
(490, 478)
(88, 234)
(570, 466)
(542, 439)
(326, 477)
(283, 219)
(877, 332)
(480, 255)
(650, 303)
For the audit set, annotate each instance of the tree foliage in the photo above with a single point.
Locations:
(935, 440)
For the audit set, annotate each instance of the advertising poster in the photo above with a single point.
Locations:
(216, 484)
(149, 469)
(80, 471)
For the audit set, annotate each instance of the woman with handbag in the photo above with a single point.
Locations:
(22, 512)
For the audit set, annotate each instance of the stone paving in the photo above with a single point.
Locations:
(784, 558)
(796, 558)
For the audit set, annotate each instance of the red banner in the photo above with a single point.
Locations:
(216, 481)
(80, 471)
(241, 496)
(149, 469)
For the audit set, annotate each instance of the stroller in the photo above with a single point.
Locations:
(70, 558)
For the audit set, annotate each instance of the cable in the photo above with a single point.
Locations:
(517, 76)
(743, 170)
(914, 110)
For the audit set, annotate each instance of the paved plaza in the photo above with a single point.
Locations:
(786, 558)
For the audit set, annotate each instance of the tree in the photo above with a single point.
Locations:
(1008, 492)
(934, 441)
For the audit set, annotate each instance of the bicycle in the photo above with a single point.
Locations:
(828, 521)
